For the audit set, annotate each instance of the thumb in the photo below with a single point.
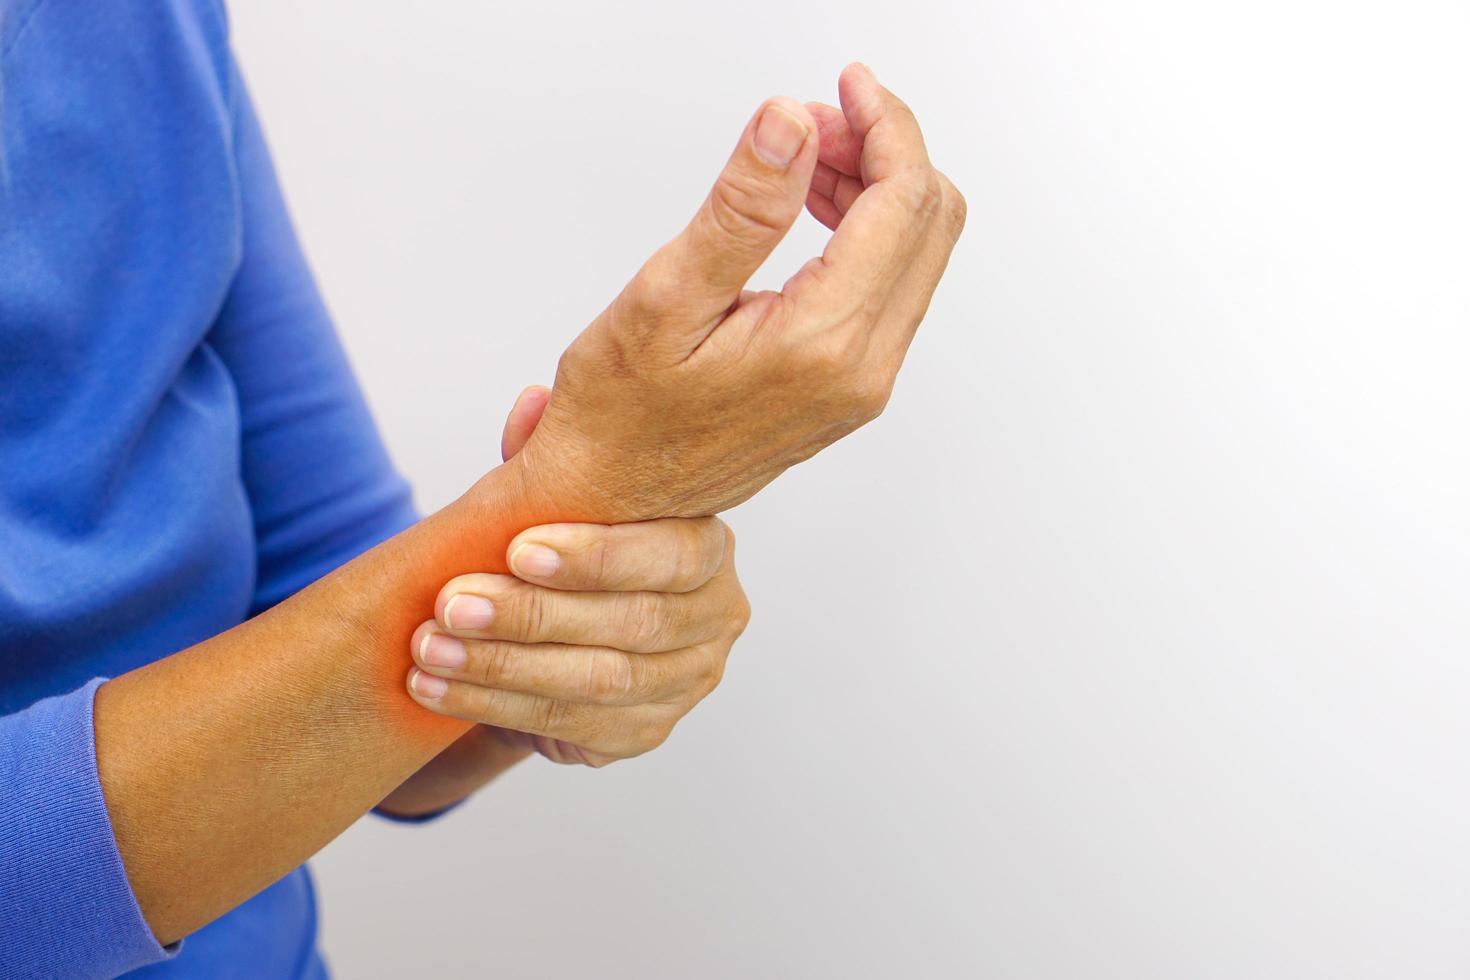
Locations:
(524, 416)
(690, 283)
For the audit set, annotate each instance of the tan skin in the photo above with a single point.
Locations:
(227, 764)
(622, 636)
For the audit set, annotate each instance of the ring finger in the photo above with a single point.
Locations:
(580, 674)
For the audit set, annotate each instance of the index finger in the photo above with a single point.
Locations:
(886, 225)
(668, 555)
(883, 125)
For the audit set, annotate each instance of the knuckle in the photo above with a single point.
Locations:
(653, 290)
(642, 625)
(931, 193)
(921, 192)
(711, 677)
(872, 397)
(716, 677)
(498, 706)
(688, 554)
(575, 359)
(645, 736)
(623, 350)
(868, 388)
(837, 354)
(818, 271)
(698, 555)
(550, 715)
(597, 558)
(893, 103)
(656, 733)
(955, 207)
(776, 315)
(716, 541)
(856, 386)
(587, 556)
(609, 679)
(741, 618)
(535, 613)
(495, 664)
(745, 206)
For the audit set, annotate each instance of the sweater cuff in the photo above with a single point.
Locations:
(65, 900)
(418, 817)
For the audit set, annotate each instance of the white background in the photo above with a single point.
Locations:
(1130, 643)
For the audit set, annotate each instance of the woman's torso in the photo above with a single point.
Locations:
(125, 529)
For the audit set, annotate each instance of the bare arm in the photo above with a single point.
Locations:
(228, 764)
(617, 631)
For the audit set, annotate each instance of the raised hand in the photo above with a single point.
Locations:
(688, 394)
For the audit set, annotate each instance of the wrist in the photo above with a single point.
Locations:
(506, 497)
(565, 478)
(468, 765)
(527, 490)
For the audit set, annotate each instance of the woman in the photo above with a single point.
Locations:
(187, 471)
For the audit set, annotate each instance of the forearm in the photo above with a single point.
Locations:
(479, 756)
(228, 764)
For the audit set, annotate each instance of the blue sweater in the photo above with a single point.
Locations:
(182, 444)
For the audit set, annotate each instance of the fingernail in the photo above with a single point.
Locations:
(468, 612)
(427, 686)
(438, 650)
(779, 136)
(535, 560)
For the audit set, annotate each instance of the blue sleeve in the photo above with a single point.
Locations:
(66, 908)
(321, 486)
(322, 490)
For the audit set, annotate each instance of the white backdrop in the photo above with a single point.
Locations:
(1130, 643)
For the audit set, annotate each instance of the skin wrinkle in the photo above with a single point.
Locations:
(206, 756)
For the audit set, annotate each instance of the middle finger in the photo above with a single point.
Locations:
(502, 607)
